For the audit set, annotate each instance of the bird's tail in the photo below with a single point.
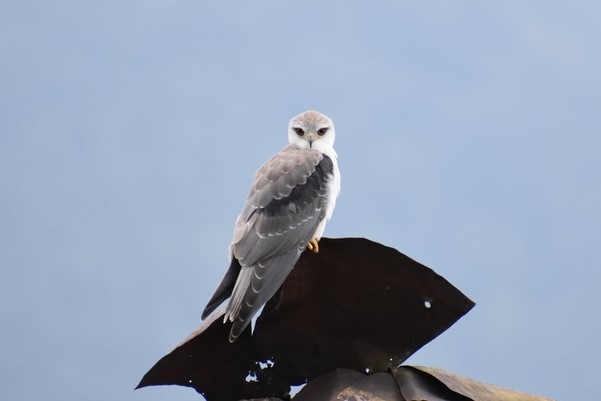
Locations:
(224, 291)
(255, 286)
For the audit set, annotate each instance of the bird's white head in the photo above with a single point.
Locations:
(312, 129)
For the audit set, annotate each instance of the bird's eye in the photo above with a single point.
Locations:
(299, 131)
(322, 131)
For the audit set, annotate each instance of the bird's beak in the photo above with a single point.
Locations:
(311, 138)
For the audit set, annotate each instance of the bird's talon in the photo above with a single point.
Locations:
(313, 246)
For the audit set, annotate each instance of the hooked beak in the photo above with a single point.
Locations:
(311, 139)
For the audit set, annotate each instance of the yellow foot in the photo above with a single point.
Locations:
(313, 246)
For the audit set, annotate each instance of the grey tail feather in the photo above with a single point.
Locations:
(238, 328)
(224, 291)
(238, 294)
(238, 304)
(244, 306)
(240, 324)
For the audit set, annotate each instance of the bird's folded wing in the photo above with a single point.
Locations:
(286, 203)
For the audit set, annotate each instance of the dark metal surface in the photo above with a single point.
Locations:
(402, 384)
(213, 366)
(415, 384)
(345, 384)
(357, 305)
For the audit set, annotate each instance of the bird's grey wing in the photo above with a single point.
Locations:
(224, 290)
(259, 289)
(276, 230)
(287, 197)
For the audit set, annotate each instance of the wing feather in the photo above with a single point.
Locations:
(278, 204)
(263, 281)
(225, 288)
(286, 204)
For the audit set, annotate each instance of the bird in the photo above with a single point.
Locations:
(292, 197)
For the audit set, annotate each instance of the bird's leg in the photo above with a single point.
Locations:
(313, 246)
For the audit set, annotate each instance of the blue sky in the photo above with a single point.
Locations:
(468, 138)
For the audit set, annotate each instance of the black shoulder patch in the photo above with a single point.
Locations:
(303, 195)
